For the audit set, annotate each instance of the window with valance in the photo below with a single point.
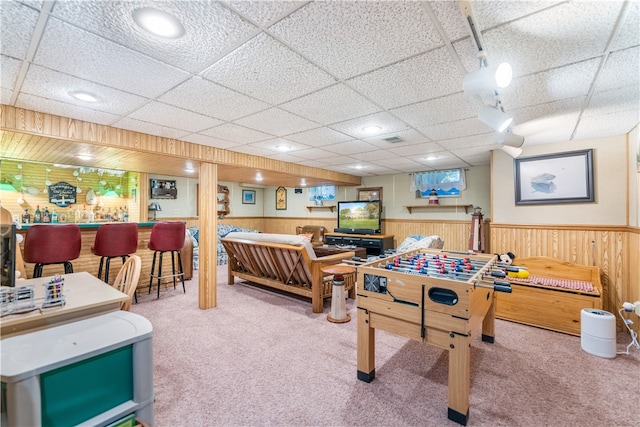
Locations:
(447, 183)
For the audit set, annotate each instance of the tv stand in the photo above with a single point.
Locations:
(374, 243)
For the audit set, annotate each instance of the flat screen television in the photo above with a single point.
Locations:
(359, 217)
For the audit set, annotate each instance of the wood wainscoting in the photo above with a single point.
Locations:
(615, 250)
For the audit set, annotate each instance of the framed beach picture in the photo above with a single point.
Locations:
(555, 178)
(248, 197)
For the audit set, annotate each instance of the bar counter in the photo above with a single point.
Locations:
(89, 262)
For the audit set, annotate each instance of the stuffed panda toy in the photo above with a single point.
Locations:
(506, 258)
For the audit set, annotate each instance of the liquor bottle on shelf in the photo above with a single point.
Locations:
(78, 214)
(26, 217)
(125, 217)
(121, 215)
(37, 216)
(46, 215)
(54, 216)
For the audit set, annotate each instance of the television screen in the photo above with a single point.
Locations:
(359, 215)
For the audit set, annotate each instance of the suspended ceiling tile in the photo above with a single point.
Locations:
(330, 105)
(411, 80)
(5, 96)
(568, 33)
(178, 118)
(467, 52)
(488, 14)
(150, 128)
(285, 157)
(616, 100)
(17, 24)
(406, 137)
(567, 110)
(340, 160)
(266, 69)
(452, 21)
(333, 34)
(475, 141)
(210, 28)
(441, 110)
(610, 124)
(454, 129)
(265, 12)
(208, 98)
(272, 144)
(350, 147)
(483, 159)
(621, 69)
(236, 133)
(373, 155)
(315, 154)
(209, 141)
(276, 122)
(256, 151)
(58, 108)
(417, 151)
(9, 69)
(319, 137)
(629, 35)
(559, 83)
(50, 84)
(354, 127)
(397, 162)
(115, 66)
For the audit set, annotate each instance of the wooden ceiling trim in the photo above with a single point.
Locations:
(55, 129)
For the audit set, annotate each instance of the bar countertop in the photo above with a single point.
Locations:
(88, 225)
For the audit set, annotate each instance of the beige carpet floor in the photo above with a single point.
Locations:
(262, 358)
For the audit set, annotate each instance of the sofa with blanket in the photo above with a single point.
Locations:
(286, 262)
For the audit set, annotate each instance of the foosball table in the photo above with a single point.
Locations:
(432, 296)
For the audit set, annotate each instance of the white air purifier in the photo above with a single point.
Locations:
(598, 332)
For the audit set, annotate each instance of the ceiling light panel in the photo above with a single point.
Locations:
(65, 109)
(158, 22)
(116, 66)
(330, 105)
(386, 121)
(208, 98)
(316, 28)
(268, 70)
(53, 85)
(220, 31)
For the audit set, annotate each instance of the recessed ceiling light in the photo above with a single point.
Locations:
(430, 158)
(283, 147)
(259, 176)
(84, 157)
(158, 22)
(358, 167)
(371, 129)
(84, 96)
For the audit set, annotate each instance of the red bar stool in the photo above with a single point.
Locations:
(167, 237)
(112, 241)
(52, 244)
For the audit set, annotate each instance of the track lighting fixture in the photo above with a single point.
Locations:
(510, 143)
(488, 78)
(495, 118)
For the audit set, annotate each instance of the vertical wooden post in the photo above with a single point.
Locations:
(366, 347)
(459, 378)
(208, 223)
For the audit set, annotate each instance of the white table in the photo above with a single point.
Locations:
(85, 296)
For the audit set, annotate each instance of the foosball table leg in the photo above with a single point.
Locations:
(459, 378)
(489, 322)
(366, 347)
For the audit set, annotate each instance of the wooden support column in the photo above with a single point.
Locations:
(208, 221)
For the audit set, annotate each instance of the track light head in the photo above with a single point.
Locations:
(494, 118)
(511, 139)
(511, 151)
(488, 78)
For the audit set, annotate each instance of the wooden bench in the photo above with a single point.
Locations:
(285, 262)
(554, 308)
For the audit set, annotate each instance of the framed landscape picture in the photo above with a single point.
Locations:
(555, 178)
(248, 197)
